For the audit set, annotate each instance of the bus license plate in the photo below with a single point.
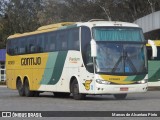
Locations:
(124, 89)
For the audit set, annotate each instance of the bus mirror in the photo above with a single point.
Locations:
(93, 48)
(154, 48)
(90, 64)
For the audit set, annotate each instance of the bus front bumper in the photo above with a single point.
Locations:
(118, 89)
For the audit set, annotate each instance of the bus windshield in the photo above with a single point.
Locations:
(118, 34)
(118, 58)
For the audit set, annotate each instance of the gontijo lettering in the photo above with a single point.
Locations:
(31, 61)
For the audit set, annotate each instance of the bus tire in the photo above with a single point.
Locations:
(27, 91)
(75, 91)
(120, 96)
(36, 94)
(20, 88)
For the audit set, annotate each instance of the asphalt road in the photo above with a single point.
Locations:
(11, 101)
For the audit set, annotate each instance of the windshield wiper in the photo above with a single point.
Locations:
(130, 63)
(124, 57)
(116, 65)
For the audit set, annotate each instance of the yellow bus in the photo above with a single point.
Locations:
(154, 66)
(94, 57)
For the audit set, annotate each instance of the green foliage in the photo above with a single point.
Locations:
(19, 16)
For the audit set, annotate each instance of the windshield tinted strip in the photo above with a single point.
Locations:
(117, 34)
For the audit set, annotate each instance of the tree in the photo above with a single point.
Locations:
(82, 10)
(22, 15)
(19, 16)
(2, 23)
(107, 6)
(52, 12)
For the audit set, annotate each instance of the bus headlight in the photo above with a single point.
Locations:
(143, 81)
(102, 81)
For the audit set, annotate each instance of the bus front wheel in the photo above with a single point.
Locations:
(120, 96)
(20, 88)
(75, 91)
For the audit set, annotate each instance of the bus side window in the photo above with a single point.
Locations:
(62, 41)
(16, 46)
(39, 48)
(22, 49)
(52, 47)
(75, 37)
(86, 49)
(31, 47)
(34, 45)
(10, 47)
(40, 43)
(52, 42)
(46, 45)
(27, 45)
(64, 44)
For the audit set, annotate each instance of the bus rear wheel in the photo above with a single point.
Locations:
(27, 91)
(75, 91)
(20, 88)
(120, 96)
(36, 94)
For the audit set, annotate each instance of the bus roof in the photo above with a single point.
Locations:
(107, 23)
(157, 43)
(43, 29)
(91, 23)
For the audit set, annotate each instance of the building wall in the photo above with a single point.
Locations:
(149, 22)
(2, 65)
(2, 71)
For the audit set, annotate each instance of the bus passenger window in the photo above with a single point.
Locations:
(52, 42)
(16, 47)
(76, 45)
(16, 50)
(62, 41)
(75, 38)
(33, 49)
(21, 50)
(47, 48)
(64, 45)
(40, 43)
(52, 47)
(9, 47)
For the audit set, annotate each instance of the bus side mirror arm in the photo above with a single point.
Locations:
(93, 53)
(93, 48)
(154, 48)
